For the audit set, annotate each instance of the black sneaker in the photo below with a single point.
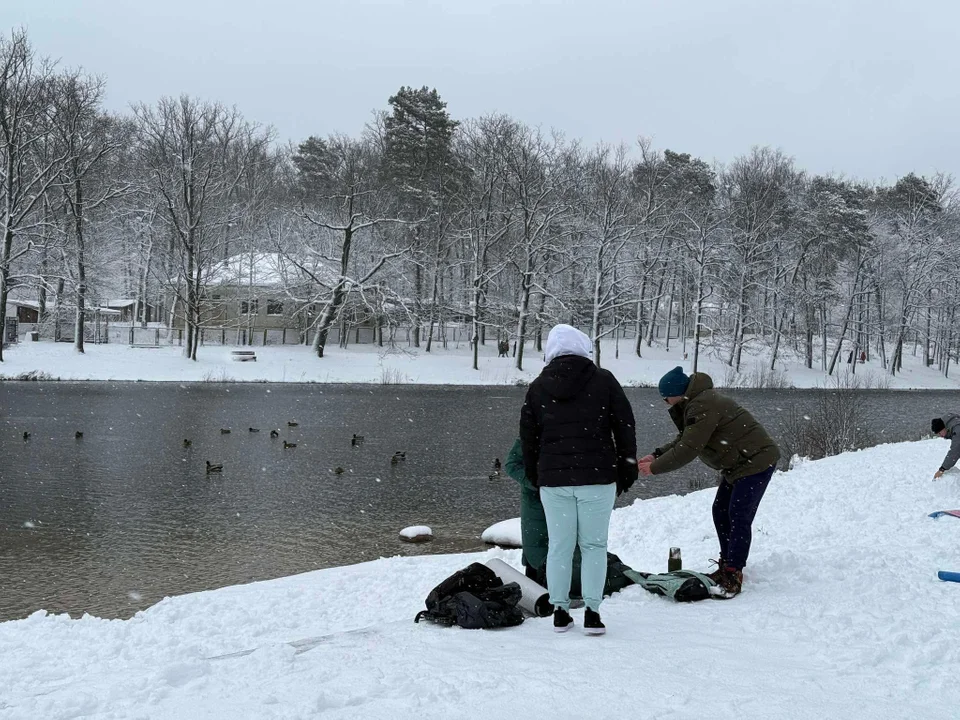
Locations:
(592, 625)
(561, 620)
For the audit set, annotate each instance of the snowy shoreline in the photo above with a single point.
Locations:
(842, 615)
(369, 365)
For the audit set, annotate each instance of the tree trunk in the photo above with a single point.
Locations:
(5, 282)
(673, 287)
(433, 299)
(539, 339)
(525, 282)
(417, 302)
(81, 267)
(475, 331)
(654, 310)
(698, 318)
(330, 309)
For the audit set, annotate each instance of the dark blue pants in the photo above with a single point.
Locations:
(733, 511)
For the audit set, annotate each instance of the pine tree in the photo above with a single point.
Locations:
(418, 164)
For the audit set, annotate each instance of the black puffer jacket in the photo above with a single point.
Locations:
(577, 427)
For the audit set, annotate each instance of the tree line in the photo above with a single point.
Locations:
(424, 222)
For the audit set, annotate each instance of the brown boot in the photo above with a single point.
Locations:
(718, 573)
(731, 580)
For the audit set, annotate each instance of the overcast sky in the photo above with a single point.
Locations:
(867, 88)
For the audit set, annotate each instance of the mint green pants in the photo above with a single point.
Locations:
(578, 515)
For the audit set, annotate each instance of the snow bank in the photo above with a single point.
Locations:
(505, 533)
(842, 616)
(369, 364)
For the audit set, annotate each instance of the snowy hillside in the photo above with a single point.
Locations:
(842, 616)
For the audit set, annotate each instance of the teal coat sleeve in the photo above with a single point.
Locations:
(515, 466)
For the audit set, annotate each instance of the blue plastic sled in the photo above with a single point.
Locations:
(941, 513)
(949, 576)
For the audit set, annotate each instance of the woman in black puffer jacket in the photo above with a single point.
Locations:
(579, 447)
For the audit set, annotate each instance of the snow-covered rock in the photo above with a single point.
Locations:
(505, 534)
(416, 534)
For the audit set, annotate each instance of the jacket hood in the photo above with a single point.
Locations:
(698, 383)
(951, 422)
(567, 375)
(567, 340)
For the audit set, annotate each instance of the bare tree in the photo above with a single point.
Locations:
(88, 138)
(487, 219)
(609, 229)
(197, 154)
(343, 200)
(26, 173)
(539, 174)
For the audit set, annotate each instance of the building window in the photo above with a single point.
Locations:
(274, 307)
(249, 307)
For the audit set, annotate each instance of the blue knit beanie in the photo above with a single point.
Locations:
(674, 383)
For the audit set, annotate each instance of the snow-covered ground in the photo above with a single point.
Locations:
(369, 364)
(842, 616)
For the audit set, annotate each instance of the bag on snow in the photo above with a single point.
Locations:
(474, 598)
(679, 585)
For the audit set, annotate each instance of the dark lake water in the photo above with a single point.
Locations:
(115, 521)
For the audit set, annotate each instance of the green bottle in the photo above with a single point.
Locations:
(674, 562)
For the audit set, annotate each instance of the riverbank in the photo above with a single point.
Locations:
(367, 364)
(842, 615)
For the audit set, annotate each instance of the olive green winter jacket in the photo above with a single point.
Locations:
(716, 429)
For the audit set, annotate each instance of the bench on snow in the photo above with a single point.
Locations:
(243, 355)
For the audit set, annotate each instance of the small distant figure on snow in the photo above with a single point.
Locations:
(214, 468)
(291, 423)
(338, 470)
(356, 440)
(254, 429)
(224, 431)
(503, 348)
(187, 443)
(274, 434)
(398, 456)
(948, 427)
(78, 435)
(287, 445)
(863, 356)
(26, 435)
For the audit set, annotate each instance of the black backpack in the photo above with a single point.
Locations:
(474, 598)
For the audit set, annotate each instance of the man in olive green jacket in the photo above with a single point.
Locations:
(726, 438)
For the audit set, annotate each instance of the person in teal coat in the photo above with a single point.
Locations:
(533, 521)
